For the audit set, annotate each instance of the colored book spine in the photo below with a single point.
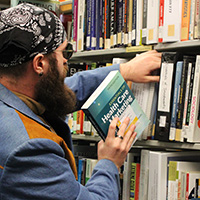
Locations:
(88, 31)
(161, 21)
(185, 23)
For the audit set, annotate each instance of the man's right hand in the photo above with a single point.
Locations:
(115, 148)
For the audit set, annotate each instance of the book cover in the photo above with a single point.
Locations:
(165, 95)
(113, 98)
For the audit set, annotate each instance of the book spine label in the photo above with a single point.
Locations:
(161, 21)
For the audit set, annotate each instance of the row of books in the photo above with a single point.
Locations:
(85, 168)
(104, 24)
(178, 107)
(155, 175)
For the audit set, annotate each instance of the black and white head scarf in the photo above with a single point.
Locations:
(25, 31)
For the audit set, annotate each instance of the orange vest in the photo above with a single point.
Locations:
(35, 130)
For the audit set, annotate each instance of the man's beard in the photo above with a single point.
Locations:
(51, 91)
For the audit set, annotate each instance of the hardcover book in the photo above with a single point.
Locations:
(113, 98)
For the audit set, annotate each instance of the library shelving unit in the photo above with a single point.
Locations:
(192, 47)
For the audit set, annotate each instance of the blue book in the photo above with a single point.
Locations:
(97, 24)
(80, 169)
(88, 26)
(113, 98)
(179, 67)
(93, 39)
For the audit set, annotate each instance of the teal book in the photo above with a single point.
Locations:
(113, 98)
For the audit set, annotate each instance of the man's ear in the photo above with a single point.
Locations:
(39, 64)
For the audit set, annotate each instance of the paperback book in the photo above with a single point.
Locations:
(113, 98)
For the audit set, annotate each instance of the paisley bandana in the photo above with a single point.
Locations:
(25, 31)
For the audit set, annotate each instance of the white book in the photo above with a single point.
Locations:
(158, 162)
(144, 175)
(144, 93)
(139, 22)
(194, 125)
(80, 27)
(152, 25)
(172, 20)
(192, 13)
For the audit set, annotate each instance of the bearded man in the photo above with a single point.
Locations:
(36, 151)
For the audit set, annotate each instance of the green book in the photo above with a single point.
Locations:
(113, 98)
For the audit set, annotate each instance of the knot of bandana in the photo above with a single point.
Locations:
(25, 31)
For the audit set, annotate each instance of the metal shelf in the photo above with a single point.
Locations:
(107, 54)
(152, 144)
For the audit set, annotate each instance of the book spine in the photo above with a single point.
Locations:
(192, 12)
(139, 23)
(80, 29)
(112, 23)
(97, 24)
(194, 115)
(133, 180)
(144, 22)
(88, 32)
(181, 100)
(75, 24)
(101, 27)
(107, 24)
(137, 181)
(175, 100)
(161, 21)
(152, 25)
(171, 27)
(130, 21)
(191, 62)
(93, 26)
(189, 101)
(197, 20)
(133, 39)
(119, 22)
(96, 126)
(125, 23)
(185, 23)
